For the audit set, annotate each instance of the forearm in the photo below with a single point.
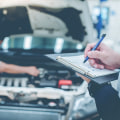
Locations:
(108, 103)
(10, 68)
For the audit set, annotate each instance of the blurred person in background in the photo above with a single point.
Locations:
(15, 69)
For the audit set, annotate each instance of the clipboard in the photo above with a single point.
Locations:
(75, 62)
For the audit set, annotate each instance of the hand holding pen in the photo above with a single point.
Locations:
(95, 47)
(102, 57)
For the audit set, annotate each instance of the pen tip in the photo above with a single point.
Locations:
(84, 61)
(103, 35)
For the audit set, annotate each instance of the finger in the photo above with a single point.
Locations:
(88, 48)
(38, 72)
(95, 54)
(109, 67)
(35, 74)
(92, 61)
(95, 64)
(98, 66)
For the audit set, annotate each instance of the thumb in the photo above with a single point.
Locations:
(95, 54)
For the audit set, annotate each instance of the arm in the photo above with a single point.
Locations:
(10, 68)
(106, 98)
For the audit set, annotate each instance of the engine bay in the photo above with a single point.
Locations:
(52, 88)
(39, 28)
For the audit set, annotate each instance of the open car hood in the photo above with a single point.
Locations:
(51, 18)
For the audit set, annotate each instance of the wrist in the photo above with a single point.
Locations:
(26, 70)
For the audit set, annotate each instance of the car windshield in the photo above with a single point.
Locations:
(41, 43)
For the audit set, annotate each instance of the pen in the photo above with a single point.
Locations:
(95, 47)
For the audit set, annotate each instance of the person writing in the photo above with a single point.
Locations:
(106, 97)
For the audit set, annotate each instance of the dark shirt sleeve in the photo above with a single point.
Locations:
(107, 102)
